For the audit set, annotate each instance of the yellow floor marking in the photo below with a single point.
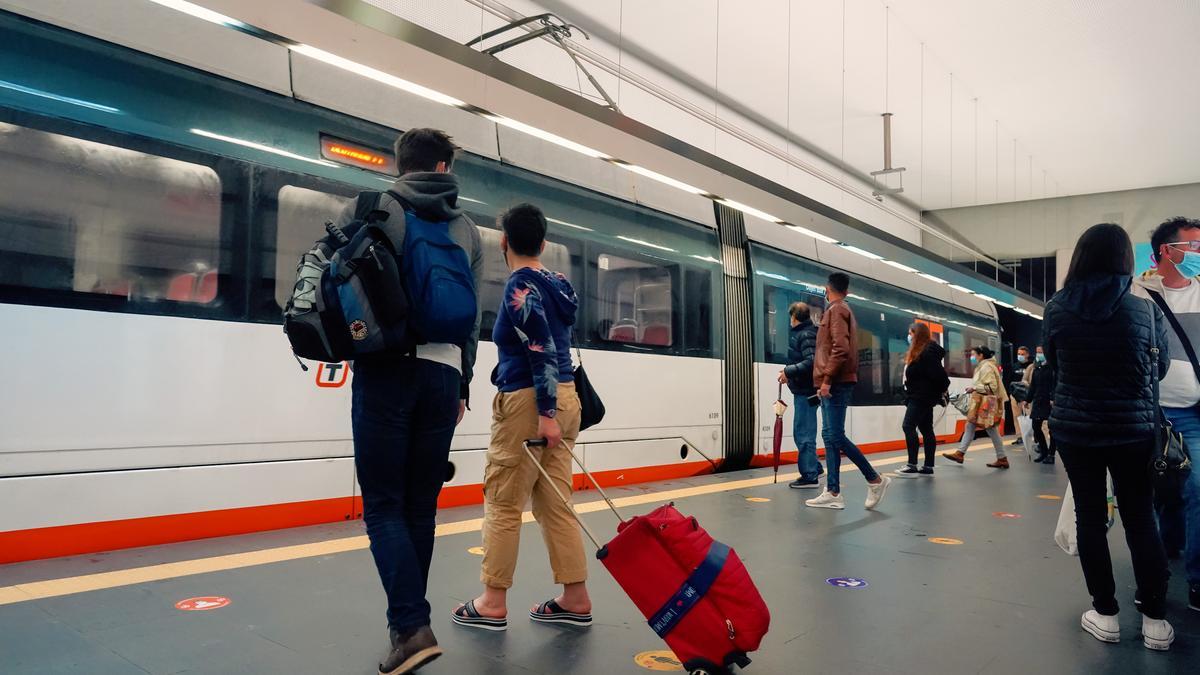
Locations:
(138, 575)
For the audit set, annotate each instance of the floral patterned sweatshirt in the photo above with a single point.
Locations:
(533, 335)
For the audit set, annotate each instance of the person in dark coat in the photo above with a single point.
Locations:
(925, 383)
(1041, 389)
(1097, 340)
(798, 376)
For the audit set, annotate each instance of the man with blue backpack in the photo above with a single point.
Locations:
(409, 396)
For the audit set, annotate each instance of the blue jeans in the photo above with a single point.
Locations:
(403, 414)
(833, 414)
(1182, 523)
(804, 430)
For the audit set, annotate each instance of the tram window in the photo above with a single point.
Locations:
(302, 215)
(873, 380)
(635, 302)
(495, 275)
(90, 218)
(698, 319)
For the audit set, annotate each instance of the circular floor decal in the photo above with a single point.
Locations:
(847, 582)
(1003, 514)
(658, 660)
(1053, 498)
(945, 541)
(202, 604)
(758, 500)
(475, 550)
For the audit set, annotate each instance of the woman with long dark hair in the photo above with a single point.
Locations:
(925, 381)
(987, 407)
(1097, 338)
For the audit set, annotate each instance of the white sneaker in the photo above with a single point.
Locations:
(875, 492)
(1104, 628)
(1157, 634)
(827, 500)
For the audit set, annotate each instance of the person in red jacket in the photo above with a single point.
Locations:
(835, 373)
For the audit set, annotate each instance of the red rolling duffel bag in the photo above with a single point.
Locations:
(693, 590)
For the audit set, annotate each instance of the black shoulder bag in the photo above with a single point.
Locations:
(1170, 463)
(591, 408)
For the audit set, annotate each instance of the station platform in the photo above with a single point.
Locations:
(996, 595)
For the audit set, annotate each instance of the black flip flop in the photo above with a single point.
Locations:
(550, 612)
(467, 615)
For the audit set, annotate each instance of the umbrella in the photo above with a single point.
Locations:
(780, 408)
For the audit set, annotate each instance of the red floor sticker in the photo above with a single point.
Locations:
(1002, 514)
(202, 604)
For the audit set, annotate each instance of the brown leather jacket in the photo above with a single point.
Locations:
(836, 360)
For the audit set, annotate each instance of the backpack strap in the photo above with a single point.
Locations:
(1178, 328)
(366, 203)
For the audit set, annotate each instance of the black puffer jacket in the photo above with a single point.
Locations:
(802, 346)
(1096, 337)
(925, 379)
(1041, 391)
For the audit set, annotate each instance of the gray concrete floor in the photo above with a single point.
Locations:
(1004, 601)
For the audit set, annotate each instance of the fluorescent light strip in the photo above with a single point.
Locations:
(377, 75)
(706, 258)
(565, 223)
(259, 146)
(772, 275)
(547, 136)
(936, 280)
(645, 243)
(200, 12)
(815, 235)
(654, 175)
(750, 210)
(1003, 304)
(962, 289)
(864, 253)
(899, 266)
(61, 99)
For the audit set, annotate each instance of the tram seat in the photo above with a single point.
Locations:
(182, 288)
(658, 335)
(623, 332)
(207, 290)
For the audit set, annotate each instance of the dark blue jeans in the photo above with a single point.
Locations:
(833, 416)
(804, 431)
(1180, 523)
(403, 414)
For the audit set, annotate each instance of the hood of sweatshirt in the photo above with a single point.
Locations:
(936, 350)
(556, 291)
(1095, 298)
(432, 195)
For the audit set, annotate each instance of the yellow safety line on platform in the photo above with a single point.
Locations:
(51, 588)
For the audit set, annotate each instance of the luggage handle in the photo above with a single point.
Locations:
(541, 442)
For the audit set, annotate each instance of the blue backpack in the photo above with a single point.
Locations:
(358, 293)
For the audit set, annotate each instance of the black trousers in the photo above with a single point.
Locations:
(1086, 468)
(1040, 437)
(918, 416)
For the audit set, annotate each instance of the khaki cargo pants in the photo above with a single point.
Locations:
(511, 479)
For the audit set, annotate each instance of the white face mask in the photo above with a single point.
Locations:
(910, 338)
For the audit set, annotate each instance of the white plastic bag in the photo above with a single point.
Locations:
(1025, 425)
(1065, 534)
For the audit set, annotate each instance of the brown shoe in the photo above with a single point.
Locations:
(956, 456)
(411, 649)
(1001, 463)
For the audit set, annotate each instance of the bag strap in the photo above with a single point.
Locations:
(365, 203)
(691, 591)
(1178, 328)
(575, 344)
(1159, 441)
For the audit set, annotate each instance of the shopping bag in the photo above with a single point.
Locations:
(1025, 425)
(1065, 534)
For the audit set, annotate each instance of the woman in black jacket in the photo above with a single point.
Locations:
(1041, 389)
(1097, 340)
(925, 382)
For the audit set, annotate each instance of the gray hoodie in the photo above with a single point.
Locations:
(434, 197)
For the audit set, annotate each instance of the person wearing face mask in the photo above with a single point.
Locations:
(1041, 391)
(1022, 375)
(925, 382)
(1174, 285)
(987, 411)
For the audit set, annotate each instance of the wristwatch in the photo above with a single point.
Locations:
(549, 414)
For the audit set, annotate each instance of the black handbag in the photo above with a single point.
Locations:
(591, 408)
(1171, 462)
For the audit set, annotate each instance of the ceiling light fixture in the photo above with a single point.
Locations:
(899, 266)
(547, 136)
(645, 243)
(654, 175)
(864, 253)
(815, 235)
(749, 210)
(377, 75)
(259, 146)
(200, 12)
(936, 280)
(565, 223)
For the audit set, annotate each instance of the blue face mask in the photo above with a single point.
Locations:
(1190, 266)
(974, 360)
(1041, 358)
(1021, 358)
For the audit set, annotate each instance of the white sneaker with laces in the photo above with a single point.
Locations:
(827, 500)
(1157, 634)
(875, 492)
(1103, 628)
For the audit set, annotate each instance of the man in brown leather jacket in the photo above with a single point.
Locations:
(835, 374)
